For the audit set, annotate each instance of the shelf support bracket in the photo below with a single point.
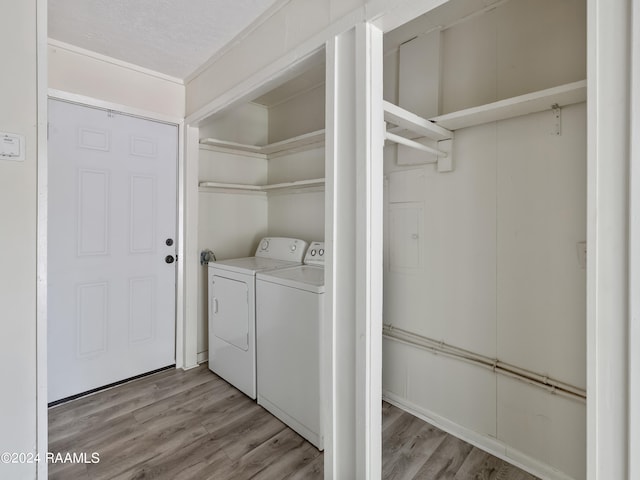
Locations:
(442, 156)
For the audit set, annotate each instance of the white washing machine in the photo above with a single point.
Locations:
(289, 305)
(232, 312)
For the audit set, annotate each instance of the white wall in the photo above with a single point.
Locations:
(301, 114)
(246, 123)
(299, 213)
(18, 195)
(519, 47)
(78, 71)
(494, 268)
(230, 223)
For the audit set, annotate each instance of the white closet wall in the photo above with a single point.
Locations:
(297, 213)
(486, 258)
(233, 216)
(231, 223)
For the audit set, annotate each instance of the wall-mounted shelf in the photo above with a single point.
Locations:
(409, 126)
(290, 145)
(542, 100)
(299, 184)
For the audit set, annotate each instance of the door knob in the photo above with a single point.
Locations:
(169, 259)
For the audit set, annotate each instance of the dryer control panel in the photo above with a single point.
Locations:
(315, 254)
(282, 248)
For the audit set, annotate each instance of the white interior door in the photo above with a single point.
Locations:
(111, 232)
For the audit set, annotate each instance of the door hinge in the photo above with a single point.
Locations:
(48, 127)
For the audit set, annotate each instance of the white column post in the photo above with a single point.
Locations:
(608, 51)
(42, 424)
(188, 264)
(634, 252)
(354, 177)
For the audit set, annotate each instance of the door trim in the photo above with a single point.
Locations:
(42, 79)
(116, 107)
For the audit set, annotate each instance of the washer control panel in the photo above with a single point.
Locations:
(282, 248)
(315, 254)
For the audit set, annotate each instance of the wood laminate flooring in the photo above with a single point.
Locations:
(192, 425)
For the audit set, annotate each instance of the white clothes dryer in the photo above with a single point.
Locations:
(290, 306)
(232, 312)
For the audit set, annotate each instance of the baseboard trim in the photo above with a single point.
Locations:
(488, 444)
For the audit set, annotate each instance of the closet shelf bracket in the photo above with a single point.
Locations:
(414, 123)
(413, 127)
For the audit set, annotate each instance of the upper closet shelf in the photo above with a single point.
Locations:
(548, 99)
(308, 140)
(315, 182)
(438, 131)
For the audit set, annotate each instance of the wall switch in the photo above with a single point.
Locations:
(581, 250)
(11, 147)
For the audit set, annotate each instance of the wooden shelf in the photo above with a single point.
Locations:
(562, 95)
(299, 184)
(301, 142)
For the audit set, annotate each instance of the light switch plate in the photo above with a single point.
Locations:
(12, 147)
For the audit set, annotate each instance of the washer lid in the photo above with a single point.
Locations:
(304, 277)
(251, 265)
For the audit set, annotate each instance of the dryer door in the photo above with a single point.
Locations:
(229, 311)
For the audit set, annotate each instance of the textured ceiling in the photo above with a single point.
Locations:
(173, 37)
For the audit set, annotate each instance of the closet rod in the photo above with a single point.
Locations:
(418, 146)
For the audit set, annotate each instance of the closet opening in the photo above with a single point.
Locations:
(261, 183)
(485, 169)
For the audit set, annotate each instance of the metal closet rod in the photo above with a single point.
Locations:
(440, 348)
(413, 144)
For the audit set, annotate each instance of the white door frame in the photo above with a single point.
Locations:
(634, 251)
(42, 417)
(608, 240)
